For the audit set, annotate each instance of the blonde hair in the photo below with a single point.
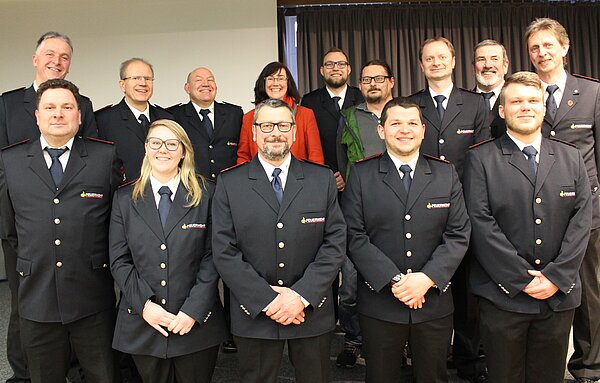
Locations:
(187, 169)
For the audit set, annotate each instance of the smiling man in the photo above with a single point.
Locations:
(528, 241)
(408, 231)
(490, 65)
(126, 124)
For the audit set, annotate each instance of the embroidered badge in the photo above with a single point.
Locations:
(564, 194)
(581, 126)
(308, 221)
(232, 143)
(186, 226)
(91, 195)
(438, 205)
(570, 103)
(465, 131)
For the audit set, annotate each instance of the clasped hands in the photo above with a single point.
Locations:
(540, 287)
(411, 289)
(159, 319)
(287, 307)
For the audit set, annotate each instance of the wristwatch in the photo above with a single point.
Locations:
(396, 278)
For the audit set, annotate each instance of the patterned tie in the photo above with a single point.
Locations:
(550, 101)
(487, 96)
(277, 185)
(336, 102)
(206, 122)
(406, 180)
(164, 205)
(439, 99)
(144, 122)
(56, 170)
(530, 152)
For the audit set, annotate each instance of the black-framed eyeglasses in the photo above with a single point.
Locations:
(156, 143)
(139, 78)
(377, 79)
(268, 127)
(339, 64)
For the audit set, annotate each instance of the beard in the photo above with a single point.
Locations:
(275, 153)
(336, 82)
(488, 82)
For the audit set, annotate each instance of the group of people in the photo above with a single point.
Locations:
(463, 217)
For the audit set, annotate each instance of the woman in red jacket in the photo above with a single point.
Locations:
(275, 81)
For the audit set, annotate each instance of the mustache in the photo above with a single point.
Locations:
(276, 139)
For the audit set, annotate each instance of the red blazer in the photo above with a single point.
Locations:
(308, 141)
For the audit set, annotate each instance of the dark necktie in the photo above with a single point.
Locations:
(164, 205)
(144, 122)
(487, 96)
(439, 99)
(406, 180)
(56, 170)
(206, 122)
(277, 185)
(550, 101)
(336, 102)
(530, 152)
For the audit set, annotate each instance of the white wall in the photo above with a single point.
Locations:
(235, 38)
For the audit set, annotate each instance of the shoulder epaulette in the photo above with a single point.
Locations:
(99, 140)
(15, 144)
(481, 143)
(227, 103)
(429, 156)
(13, 91)
(585, 77)
(314, 163)
(127, 183)
(369, 158)
(562, 142)
(233, 167)
(414, 94)
(104, 108)
(469, 90)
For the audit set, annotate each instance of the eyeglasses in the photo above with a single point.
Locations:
(268, 127)
(331, 64)
(139, 78)
(156, 143)
(276, 78)
(378, 79)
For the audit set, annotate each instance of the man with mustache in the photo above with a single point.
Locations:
(490, 65)
(455, 119)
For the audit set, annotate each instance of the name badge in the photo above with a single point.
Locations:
(465, 131)
(308, 221)
(91, 195)
(187, 226)
(445, 205)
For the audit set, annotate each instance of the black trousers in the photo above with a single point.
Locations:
(15, 354)
(260, 359)
(48, 348)
(525, 348)
(585, 361)
(197, 367)
(383, 343)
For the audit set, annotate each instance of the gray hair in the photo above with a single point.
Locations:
(53, 35)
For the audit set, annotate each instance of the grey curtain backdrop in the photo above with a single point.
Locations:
(394, 33)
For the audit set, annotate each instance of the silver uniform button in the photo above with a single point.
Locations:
(538, 221)
(213, 175)
(537, 261)
(282, 265)
(441, 141)
(280, 225)
(281, 245)
(56, 201)
(57, 242)
(409, 253)
(163, 301)
(163, 265)
(59, 264)
(408, 235)
(212, 161)
(280, 282)
(538, 241)
(538, 200)
(57, 221)
(407, 217)
(163, 283)
(163, 247)
(210, 146)
(442, 157)
(408, 271)
(553, 133)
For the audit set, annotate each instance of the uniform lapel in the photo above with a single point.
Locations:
(130, 121)
(76, 162)
(146, 208)
(327, 103)
(194, 119)
(545, 165)
(219, 120)
(178, 209)
(569, 99)
(29, 100)
(429, 111)
(38, 164)
(392, 178)
(421, 178)
(261, 185)
(453, 108)
(517, 158)
(293, 185)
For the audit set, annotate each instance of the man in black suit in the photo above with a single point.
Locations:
(126, 124)
(328, 101)
(213, 127)
(490, 65)
(455, 119)
(573, 115)
(52, 59)
(55, 198)
(529, 239)
(278, 242)
(408, 231)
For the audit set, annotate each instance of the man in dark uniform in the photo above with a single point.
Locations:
(126, 124)
(55, 198)
(278, 242)
(573, 115)
(213, 127)
(328, 101)
(455, 119)
(52, 59)
(408, 231)
(528, 239)
(490, 65)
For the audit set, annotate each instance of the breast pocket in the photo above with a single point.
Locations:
(23, 267)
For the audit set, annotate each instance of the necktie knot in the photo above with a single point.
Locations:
(551, 106)
(204, 112)
(530, 152)
(55, 153)
(406, 179)
(164, 204)
(165, 190)
(208, 126)
(143, 120)
(487, 95)
(336, 100)
(56, 170)
(439, 99)
(276, 172)
(551, 89)
(277, 185)
(405, 169)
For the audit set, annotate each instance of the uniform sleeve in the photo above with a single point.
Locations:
(246, 143)
(7, 214)
(482, 128)
(596, 127)
(88, 126)
(3, 131)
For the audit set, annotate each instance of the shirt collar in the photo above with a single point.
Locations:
(285, 166)
(211, 108)
(342, 94)
(496, 90)
(537, 143)
(561, 82)
(45, 145)
(137, 113)
(398, 162)
(446, 91)
(173, 183)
